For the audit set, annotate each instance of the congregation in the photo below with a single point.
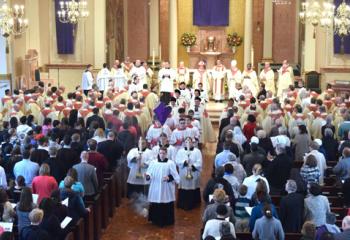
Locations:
(282, 163)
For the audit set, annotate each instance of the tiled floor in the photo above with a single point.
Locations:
(126, 225)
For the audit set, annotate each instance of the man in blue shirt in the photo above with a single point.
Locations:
(26, 168)
(225, 156)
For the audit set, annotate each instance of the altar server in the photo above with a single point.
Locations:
(139, 159)
(103, 77)
(87, 80)
(166, 77)
(163, 177)
(189, 162)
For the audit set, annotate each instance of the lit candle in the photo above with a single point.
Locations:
(153, 57)
(160, 52)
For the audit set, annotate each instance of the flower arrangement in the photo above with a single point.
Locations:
(188, 39)
(233, 40)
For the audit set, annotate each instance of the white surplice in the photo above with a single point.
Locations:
(154, 133)
(119, 78)
(166, 78)
(194, 158)
(146, 158)
(171, 152)
(250, 80)
(234, 75)
(161, 191)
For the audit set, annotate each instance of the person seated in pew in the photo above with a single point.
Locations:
(342, 169)
(346, 230)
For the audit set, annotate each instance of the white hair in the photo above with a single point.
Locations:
(234, 63)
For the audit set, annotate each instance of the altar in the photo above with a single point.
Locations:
(211, 45)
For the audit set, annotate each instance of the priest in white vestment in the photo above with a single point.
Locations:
(189, 162)
(201, 75)
(103, 77)
(218, 74)
(166, 78)
(140, 71)
(285, 78)
(250, 80)
(182, 74)
(267, 76)
(234, 76)
(118, 76)
(138, 159)
(163, 177)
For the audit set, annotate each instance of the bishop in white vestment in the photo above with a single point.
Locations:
(285, 78)
(103, 77)
(267, 76)
(234, 76)
(250, 80)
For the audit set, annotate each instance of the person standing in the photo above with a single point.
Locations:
(166, 78)
(218, 75)
(162, 175)
(267, 76)
(234, 76)
(250, 80)
(138, 159)
(285, 78)
(87, 80)
(189, 162)
(103, 77)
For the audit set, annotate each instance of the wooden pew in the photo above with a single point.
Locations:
(89, 224)
(70, 236)
(97, 215)
(105, 205)
(79, 230)
(110, 181)
(288, 236)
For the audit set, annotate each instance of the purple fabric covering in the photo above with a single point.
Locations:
(211, 12)
(64, 34)
(337, 39)
(162, 112)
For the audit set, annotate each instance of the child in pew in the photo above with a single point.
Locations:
(242, 217)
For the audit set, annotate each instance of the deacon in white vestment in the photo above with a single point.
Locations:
(87, 80)
(118, 76)
(140, 71)
(183, 74)
(163, 176)
(234, 76)
(138, 161)
(189, 162)
(250, 80)
(267, 76)
(103, 77)
(201, 75)
(285, 78)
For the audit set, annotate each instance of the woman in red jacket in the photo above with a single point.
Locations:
(249, 127)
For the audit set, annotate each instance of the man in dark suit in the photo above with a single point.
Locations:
(277, 170)
(95, 118)
(56, 168)
(252, 158)
(111, 150)
(345, 235)
(226, 121)
(67, 156)
(76, 144)
(87, 175)
(40, 154)
(292, 209)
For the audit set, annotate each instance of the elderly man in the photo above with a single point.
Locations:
(292, 208)
(342, 169)
(346, 230)
(233, 122)
(321, 161)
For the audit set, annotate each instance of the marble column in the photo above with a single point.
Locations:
(248, 26)
(268, 20)
(3, 56)
(309, 48)
(100, 33)
(154, 27)
(173, 33)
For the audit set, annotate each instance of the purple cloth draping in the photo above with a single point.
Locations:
(162, 112)
(211, 12)
(64, 34)
(337, 39)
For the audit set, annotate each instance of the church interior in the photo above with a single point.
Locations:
(253, 80)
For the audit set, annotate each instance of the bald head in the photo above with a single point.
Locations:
(346, 223)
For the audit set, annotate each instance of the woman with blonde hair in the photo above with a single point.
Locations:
(99, 135)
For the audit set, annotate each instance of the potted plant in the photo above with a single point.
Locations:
(188, 40)
(233, 41)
